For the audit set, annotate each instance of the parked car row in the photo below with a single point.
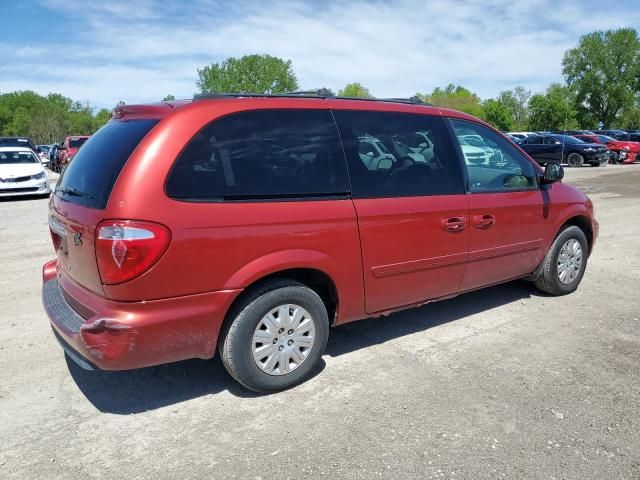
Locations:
(577, 147)
(61, 154)
(22, 164)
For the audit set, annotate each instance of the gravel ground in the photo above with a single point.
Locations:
(500, 383)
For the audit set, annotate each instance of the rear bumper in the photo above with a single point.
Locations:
(104, 334)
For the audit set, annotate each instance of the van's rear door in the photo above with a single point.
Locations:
(82, 193)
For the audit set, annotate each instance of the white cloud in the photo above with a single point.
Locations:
(141, 51)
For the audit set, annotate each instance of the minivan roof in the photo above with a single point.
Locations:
(160, 110)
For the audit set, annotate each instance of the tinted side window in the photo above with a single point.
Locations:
(534, 140)
(493, 163)
(398, 154)
(89, 178)
(262, 154)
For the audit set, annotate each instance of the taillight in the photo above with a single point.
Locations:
(127, 249)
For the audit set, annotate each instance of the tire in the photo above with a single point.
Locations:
(258, 310)
(549, 280)
(575, 160)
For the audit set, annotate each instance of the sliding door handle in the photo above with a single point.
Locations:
(484, 221)
(454, 224)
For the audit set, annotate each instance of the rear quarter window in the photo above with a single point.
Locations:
(262, 154)
(89, 178)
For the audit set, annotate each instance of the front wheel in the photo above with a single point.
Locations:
(276, 337)
(565, 262)
(575, 160)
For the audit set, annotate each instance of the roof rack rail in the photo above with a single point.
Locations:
(320, 94)
(209, 96)
(415, 99)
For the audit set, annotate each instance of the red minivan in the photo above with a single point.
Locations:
(252, 224)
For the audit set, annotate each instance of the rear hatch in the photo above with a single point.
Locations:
(81, 196)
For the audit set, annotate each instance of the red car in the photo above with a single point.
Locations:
(625, 152)
(251, 225)
(68, 149)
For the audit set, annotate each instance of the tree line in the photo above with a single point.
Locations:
(47, 119)
(602, 86)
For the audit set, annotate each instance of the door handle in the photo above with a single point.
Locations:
(483, 221)
(454, 224)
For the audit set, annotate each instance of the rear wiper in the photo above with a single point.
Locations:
(74, 192)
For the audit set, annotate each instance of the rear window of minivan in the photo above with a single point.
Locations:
(89, 178)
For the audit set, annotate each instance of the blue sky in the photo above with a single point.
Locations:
(140, 50)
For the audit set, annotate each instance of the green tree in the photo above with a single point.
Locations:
(248, 74)
(604, 73)
(102, 117)
(356, 90)
(168, 98)
(630, 118)
(553, 110)
(516, 101)
(497, 113)
(81, 121)
(46, 119)
(455, 97)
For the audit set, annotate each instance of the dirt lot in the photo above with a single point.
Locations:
(501, 383)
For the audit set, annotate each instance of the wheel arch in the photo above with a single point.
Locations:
(583, 223)
(312, 269)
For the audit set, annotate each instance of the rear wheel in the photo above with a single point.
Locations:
(565, 262)
(276, 337)
(575, 160)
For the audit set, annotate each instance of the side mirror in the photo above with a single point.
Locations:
(369, 154)
(553, 172)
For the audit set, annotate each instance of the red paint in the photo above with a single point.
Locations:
(632, 149)
(381, 254)
(66, 155)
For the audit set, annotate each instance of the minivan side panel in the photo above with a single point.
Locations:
(230, 244)
(409, 256)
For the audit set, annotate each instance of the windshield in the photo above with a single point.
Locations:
(567, 139)
(17, 157)
(605, 138)
(77, 142)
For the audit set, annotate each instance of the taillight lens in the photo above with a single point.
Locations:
(127, 249)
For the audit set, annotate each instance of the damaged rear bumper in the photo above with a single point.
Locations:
(98, 333)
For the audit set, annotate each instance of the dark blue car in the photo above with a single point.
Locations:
(553, 148)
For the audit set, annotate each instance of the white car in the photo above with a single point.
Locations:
(376, 156)
(473, 155)
(22, 173)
